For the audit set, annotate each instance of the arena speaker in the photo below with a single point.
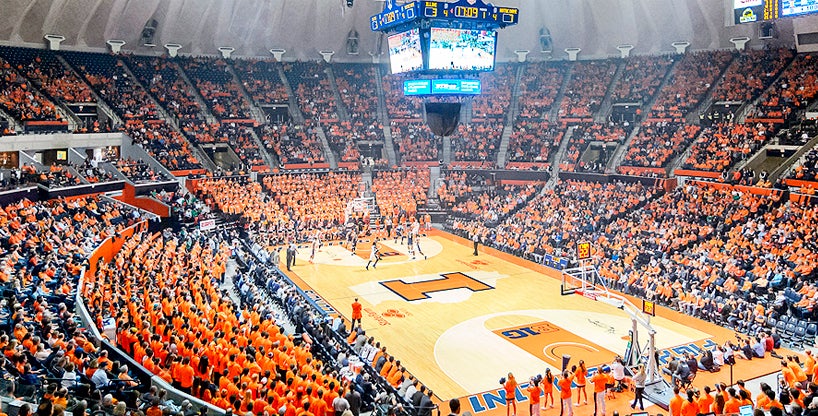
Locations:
(442, 118)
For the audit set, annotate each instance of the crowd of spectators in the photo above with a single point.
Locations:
(139, 171)
(398, 105)
(316, 201)
(640, 78)
(720, 146)
(488, 205)
(262, 81)
(20, 100)
(495, 99)
(46, 73)
(185, 207)
(533, 140)
(311, 86)
(750, 249)
(57, 176)
(586, 89)
(728, 253)
(400, 192)
(539, 87)
(342, 138)
(477, 141)
(213, 79)
(161, 78)
(458, 184)
(415, 142)
(357, 85)
(292, 143)
(45, 246)
(238, 136)
(751, 73)
(165, 144)
(794, 90)
(808, 170)
(658, 143)
(93, 173)
(288, 207)
(108, 76)
(692, 77)
(552, 222)
(233, 357)
(582, 137)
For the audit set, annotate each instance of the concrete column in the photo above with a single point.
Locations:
(522, 54)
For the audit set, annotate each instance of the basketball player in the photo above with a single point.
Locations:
(354, 242)
(410, 244)
(315, 245)
(388, 225)
(415, 234)
(374, 257)
(399, 233)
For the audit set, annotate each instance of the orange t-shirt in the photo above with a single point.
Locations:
(705, 401)
(676, 405)
(185, 375)
(510, 388)
(599, 380)
(565, 387)
(534, 394)
(689, 408)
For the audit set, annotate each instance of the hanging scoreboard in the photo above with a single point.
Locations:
(475, 11)
(749, 11)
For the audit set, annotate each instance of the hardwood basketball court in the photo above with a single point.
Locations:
(459, 322)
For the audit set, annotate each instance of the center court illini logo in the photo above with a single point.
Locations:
(423, 289)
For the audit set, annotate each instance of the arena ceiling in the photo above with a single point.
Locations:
(303, 27)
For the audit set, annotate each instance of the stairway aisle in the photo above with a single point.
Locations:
(555, 166)
(343, 114)
(295, 110)
(511, 116)
(383, 117)
(601, 115)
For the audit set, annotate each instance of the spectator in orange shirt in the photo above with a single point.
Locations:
(599, 380)
(564, 385)
(510, 387)
(534, 396)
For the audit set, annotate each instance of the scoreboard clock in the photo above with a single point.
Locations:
(395, 16)
(648, 307)
(475, 11)
(470, 11)
(584, 250)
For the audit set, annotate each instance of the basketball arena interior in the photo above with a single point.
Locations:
(408, 208)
